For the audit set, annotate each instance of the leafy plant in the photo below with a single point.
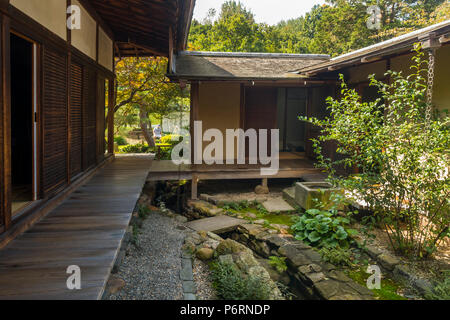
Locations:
(441, 291)
(401, 151)
(136, 148)
(336, 256)
(261, 209)
(135, 236)
(232, 206)
(143, 211)
(279, 263)
(231, 284)
(171, 139)
(121, 141)
(323, 228)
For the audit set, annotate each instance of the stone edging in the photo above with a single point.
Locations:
(317, 280)
(399, 271)
(187, 277)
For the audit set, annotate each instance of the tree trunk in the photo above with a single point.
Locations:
(148, 133)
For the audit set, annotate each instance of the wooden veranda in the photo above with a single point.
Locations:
(86, 230)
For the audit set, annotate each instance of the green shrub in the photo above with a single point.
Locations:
(279, 263)
(136, 148)
(400, 146)
(336, 256)
(143, 211)
(323, 228)
(442, 290)
(231, 284)
(171, 139)
(121, 141)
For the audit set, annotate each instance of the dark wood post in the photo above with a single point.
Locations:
(5, 210)
(111, 104)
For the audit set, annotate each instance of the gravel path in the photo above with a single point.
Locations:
(152, 271)
(202, 277)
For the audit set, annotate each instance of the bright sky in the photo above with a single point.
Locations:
(268, 11)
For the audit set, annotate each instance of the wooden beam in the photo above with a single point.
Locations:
(370, 59)
(6, 121)
(445, 38)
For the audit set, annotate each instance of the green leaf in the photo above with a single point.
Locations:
(341, 234)
(314, 236)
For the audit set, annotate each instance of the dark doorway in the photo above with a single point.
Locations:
(21, 121)
(260, 112)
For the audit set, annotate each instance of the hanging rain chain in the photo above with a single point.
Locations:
(429, 107)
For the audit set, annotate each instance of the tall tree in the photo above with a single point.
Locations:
(143, 90)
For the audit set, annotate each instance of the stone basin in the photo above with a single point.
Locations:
(306, 192)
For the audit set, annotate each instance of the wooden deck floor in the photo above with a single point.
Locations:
(291, 165)
(85, 230)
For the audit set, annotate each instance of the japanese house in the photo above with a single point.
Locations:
(270, 91)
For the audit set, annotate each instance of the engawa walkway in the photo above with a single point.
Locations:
(85, 230)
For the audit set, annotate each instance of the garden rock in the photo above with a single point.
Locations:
(245, 261)
(262, 190)
(205, 208)
(230, 246)
(115, 284)
(387, 261)
(205, 254)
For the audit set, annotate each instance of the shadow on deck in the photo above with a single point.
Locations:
(86, 230)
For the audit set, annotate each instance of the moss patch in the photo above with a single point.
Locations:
(271, 218)
(388, 289)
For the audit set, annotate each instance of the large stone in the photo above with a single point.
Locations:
(245, 261)
(314, 256)
(339, 276)
(327, 288)
(227, 258)
(230, 246)
(276, 241)
(189, 287)
(262, 190)
(115, 284)
(388, 261)
(403, 273)
(186, 273)
(205, 254)
(294, 256)
(205, 208)
(316, 277)
(252, 229)
(310, 268)
(277, 205)
(214, 236)
(373, 251)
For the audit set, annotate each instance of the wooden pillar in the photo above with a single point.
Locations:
(111, 105)
(194, 186)
(5, 125)
(194, 117)
(264, 182)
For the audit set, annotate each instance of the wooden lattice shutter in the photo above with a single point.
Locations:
(76, 120)
(54, 164)
(90, 117)
(101, 118)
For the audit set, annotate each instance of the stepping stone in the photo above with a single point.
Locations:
(277, 205)
(219, 224)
